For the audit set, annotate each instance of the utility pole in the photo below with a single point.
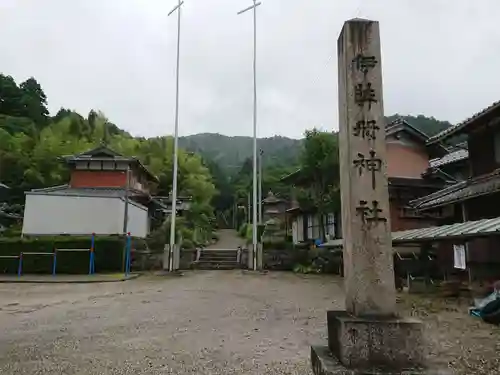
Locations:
(176, 138)
(261, 152)
(254, 221)
(125, 213)
(127, 188)
(249, 210)
(235, 215)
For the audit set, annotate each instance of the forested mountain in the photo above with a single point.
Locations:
(217, 169)
(229, 153)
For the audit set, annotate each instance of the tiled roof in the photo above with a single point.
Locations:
(459, 230)
(455, 129)
(414, 182)
(460, 191)
(271, 198)
(291, 176)
(108, 154)
(10, 216)
(452, 157)
(468, 229)
(94, 192)
(400, 124)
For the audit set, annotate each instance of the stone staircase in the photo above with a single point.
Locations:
(218, 259)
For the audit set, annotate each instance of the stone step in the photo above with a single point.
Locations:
(208, 265)
(218, 259)
(215, 267)
(218, 256)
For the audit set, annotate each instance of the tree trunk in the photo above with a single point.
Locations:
(321, 212)
(322, 227)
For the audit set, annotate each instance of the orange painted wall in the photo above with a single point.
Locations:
(406, 161)
(410, 162)
(98, 179)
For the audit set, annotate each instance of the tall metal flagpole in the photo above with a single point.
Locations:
(254, 220)
(125, 216)
(261, 152)
(176, 139)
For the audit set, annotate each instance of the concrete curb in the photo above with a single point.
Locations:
(252, 272)
(169, 274)
(27, 280)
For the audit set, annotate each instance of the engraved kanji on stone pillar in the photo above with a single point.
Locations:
(368, 262)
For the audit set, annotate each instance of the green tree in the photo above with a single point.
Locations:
(34, 102)
(10, 97)
(320, 166)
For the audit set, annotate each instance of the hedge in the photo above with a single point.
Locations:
(108, 254)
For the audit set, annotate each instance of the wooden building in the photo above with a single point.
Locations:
(410, 176)
(96, 198)
(476, 197)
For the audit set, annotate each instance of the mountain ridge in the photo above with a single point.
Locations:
(230, 152)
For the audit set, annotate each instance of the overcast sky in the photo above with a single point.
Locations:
(441, 58)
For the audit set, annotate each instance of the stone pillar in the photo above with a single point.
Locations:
(260, 256)
(368, 335)
(166, 257)
(366, 232)
(250, 256)
(176, 257)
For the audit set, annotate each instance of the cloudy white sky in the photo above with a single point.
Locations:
(440, 58)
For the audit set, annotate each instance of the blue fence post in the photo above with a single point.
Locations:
(91, 260)
(54, 262)
(20, 267)
(127, 258)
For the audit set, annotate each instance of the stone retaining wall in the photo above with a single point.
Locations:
(326, 260)
(150, 260)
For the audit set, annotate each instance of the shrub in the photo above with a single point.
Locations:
(249, 233)
(242, 232)
(187, 244)
(305, 269)
(108, 254)
(12, 232)
(281, 245)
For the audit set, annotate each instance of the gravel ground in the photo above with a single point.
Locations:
(207, 322)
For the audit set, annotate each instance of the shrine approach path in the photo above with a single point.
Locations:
(206, 322)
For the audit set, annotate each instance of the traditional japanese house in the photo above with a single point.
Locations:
(302, 218)
(453, 166)
(103, 186)
(408, 163)
(475, 198)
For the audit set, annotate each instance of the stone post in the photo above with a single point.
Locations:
(366, 232)
(250, 257)
(260, 256)
(177, 257)
(368, 337)
(166, 257)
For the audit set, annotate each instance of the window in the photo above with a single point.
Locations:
(497, 147)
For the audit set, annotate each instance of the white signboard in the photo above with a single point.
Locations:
(459, 256)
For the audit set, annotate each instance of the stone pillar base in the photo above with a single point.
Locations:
(375, 342)
(371, 345)
(324, 363)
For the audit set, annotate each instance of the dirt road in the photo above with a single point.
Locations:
(207, 322)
